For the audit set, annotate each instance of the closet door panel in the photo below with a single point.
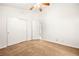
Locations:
(36, 30)
(16, 31)
(3, 31)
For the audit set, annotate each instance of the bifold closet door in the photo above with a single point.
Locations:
(3, 32)
(36, 29)
(16, 31)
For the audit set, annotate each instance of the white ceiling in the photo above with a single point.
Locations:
(18, 5)
(25, 6)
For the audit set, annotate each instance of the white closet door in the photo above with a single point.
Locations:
(3, 32)
(29, 30)
(16, 31)
(36, 30)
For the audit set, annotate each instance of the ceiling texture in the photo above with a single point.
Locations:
(25, 6)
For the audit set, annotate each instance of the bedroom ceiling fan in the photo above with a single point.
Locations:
(39, 6)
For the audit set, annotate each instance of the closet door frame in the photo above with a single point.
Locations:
(7, 26)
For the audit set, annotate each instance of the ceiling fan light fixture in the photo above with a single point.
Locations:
(39, 6)
(46, 4)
